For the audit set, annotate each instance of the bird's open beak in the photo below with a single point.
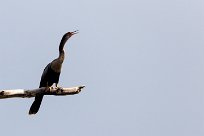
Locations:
(75, 32)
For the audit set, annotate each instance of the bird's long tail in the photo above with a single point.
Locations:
(36, 104)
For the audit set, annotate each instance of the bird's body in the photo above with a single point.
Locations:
(51, 73)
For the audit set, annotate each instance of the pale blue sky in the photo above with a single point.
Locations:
(142, 63)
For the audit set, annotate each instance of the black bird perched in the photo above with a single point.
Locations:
(51, 73)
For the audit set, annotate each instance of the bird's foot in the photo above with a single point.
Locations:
(48, 89)
(59, 89)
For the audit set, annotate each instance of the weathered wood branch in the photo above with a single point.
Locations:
(23, 93)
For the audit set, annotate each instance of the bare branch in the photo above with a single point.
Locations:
(23, 93)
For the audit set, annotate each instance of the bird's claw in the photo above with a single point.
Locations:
(59, 88)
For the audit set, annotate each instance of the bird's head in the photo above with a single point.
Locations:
(65, 38)
(69, 34)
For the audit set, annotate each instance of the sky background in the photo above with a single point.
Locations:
(142, 62)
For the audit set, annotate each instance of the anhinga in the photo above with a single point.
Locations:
(51, 73)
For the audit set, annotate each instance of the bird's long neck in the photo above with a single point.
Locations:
(61, 49)
(56, 64)
(62, 43)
